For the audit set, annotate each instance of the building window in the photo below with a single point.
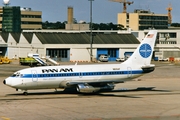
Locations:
(57, 53)
(172, 35)
(30, 16)
(136, 34)
(167, 35)
(168, 42)
(163, 35)
(152, 21)
(112, 52)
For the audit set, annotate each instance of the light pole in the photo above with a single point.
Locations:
(91, 34)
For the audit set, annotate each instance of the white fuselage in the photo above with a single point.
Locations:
(59, 76)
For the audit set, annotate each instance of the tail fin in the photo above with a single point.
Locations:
(143, 54)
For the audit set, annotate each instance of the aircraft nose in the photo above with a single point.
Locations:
(7, 82)
(4, 81)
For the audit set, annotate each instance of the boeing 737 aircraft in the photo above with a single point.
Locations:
(87, 78)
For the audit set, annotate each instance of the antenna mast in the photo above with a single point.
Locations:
(169, 13)
(124, 4)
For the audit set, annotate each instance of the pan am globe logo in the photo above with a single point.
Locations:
(145, 50)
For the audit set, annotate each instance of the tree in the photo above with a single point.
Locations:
(96, 26)
(51, 25)
(175, 24)
(107, 26)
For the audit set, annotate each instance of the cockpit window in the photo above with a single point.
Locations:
(14, 75)
(17, 75)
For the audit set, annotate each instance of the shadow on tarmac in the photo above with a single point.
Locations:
(72, 91)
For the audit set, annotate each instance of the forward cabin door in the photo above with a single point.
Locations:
(80, 75)
(34, 76)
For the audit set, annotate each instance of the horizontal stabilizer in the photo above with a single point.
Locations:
(148, 68)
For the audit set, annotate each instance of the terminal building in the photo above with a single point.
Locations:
(16, 19)
(75, 45)
(67, 45)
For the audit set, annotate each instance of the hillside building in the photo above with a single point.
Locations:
(142, 19)
(16, 19)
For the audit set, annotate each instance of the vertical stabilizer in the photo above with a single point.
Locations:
(143, 54)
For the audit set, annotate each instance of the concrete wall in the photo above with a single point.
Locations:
(21, 49)
(81, 54)
(77, 26)
(134, 21)
(122, 17)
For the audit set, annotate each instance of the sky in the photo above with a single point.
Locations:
(104, 11)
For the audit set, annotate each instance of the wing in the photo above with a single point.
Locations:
(94, 83)
(91, 87)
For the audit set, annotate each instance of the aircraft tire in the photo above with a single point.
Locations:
(25, 93)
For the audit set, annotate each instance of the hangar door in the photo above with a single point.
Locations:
(112, 53)
(127, 55)
(58, 54)
(3, 51)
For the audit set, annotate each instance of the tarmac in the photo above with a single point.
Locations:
(154, 96)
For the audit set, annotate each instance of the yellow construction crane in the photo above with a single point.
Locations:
(169, 14)
(124, 4)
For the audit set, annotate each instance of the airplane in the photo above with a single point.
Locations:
(87, 78)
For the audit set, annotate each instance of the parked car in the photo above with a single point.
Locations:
(103, 58)
(163, 59)
(120, 59)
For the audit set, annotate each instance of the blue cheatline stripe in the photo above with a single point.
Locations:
(74, 74)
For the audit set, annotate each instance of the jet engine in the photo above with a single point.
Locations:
(86, 88)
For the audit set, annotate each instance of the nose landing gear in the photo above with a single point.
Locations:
(25, 93)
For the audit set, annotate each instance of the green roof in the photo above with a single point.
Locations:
(84, 38)
(75, 38)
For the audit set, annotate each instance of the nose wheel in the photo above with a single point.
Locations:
(25, 93)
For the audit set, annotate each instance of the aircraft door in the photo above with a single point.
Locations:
(129, 72)
(34, 76)
(80, 75)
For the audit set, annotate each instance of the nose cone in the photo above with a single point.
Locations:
(7, 82)
(4, 81)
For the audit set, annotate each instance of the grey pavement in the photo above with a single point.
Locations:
(154, 96)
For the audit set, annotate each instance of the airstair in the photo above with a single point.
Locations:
(51, 60)
(41, 61)
(37, 58)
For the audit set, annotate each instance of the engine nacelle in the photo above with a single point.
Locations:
(86, 88)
